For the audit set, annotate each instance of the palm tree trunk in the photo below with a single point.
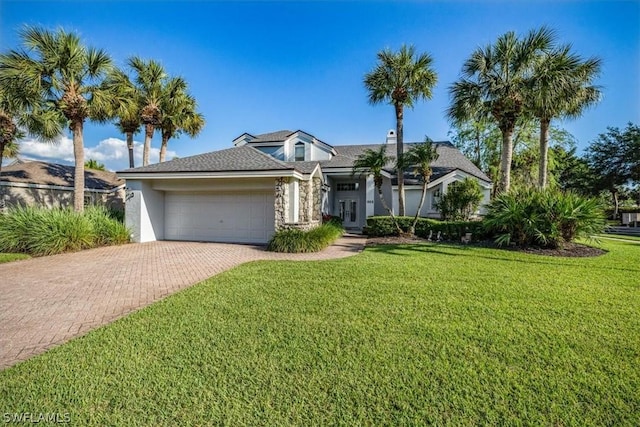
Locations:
(78, 176)
(544, 152)
(616, 203)
(478, 147)
(163, 147)
(505, 161)
(412, 230)
(399, 154)
(148, 134)
(388, 209)
(2, 144)
(130, 148)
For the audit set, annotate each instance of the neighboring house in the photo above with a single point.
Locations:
(269, 182)
(50, 185)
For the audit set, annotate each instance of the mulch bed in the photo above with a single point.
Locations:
(568, 250)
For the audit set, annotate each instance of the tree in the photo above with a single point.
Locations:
(149, 81)
(66, 77)
(495, 82)
(461, 200)
(179, 114)
(373, 162)
(561, 87)
(572, 173)
(127, 113)
(420, 157)
(94, 164)
(613, 159)
(401, 78)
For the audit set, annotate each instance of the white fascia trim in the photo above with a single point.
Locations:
(56, 187)
(316, 171)
(314, 140)
(239, 139)
(444, 177)
(204, 175)
(340, 171)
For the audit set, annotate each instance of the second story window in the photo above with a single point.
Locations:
(276, 152)
(299, 152)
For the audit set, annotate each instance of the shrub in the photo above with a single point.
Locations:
(380, 226)
(38, 231)
(546, 218)
(461, 200)
(296, 241)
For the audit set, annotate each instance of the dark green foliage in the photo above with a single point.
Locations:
(37, 231)
(333, 220)
(461, 200)
(381, 226)
(297, 241)
(546, 218)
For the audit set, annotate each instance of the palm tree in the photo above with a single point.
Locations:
(20, 110)
(127, 113)
(373, 162)
(150, 78)
(495, 81)
(9, 130)
(420, 157)
(67, 76)
(179, 114)
(94, 164)
(561, 87)
(401, 78)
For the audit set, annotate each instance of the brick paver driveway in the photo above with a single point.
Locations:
(47, 301)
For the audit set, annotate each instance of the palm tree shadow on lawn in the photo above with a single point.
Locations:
(405, 249)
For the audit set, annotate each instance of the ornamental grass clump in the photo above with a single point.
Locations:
(547, 218)
(38, 231)
(298, 241)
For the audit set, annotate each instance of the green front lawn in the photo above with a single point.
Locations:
(621, 236)
(5, 257)
(399, 335)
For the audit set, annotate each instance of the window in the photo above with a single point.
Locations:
(347, 186)
(274, 151)
(299, 152)
(434, 198)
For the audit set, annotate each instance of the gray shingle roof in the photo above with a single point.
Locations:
(44, 173)
(449, 159)
(278, 136)
(247, 158)
(243, 158)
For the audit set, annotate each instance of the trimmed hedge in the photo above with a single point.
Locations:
(298, 241)
(38, 231)
(380, 226)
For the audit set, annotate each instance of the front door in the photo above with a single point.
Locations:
(349, 212)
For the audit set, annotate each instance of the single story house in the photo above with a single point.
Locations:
(50, 185)
(273, 181)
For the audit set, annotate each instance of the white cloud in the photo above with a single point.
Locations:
(111, 151)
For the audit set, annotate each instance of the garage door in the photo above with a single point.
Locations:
(219, 217)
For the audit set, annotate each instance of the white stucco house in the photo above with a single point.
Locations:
(272, 181)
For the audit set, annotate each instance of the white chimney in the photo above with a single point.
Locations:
(391, 137)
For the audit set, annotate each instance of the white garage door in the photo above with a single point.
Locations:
(219, 217)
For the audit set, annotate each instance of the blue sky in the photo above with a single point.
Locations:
(263, 66)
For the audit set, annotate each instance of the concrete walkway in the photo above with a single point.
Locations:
(47, 301)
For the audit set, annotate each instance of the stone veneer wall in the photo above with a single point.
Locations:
(281, 204)
(316, 207)
(304, 226)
